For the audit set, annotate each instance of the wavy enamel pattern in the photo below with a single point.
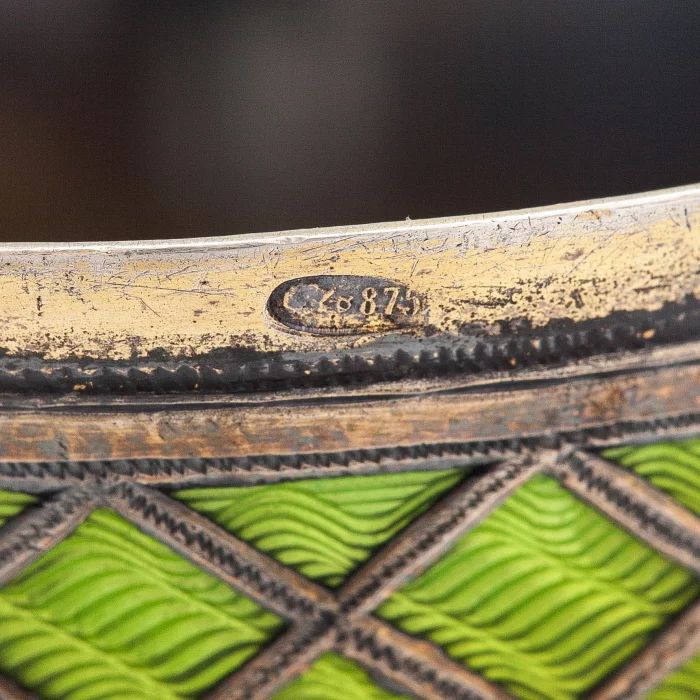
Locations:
(682, 684)
(324, 528)
(545, 596)
(111, 613)
(673, 467)
(12, 504)
(332, 677)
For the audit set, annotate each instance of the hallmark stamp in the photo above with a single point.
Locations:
(346, 304)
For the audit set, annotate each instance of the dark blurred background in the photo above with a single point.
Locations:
(134, 120)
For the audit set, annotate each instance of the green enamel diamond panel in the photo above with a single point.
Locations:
(332, 677)
(12, 504)
(682, 684)
(112, 613)
(324, 528)
(545, 596)
(673, 467)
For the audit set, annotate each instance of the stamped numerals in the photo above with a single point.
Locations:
(338, 304)
(372, 301)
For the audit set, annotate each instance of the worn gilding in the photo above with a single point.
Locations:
(184, 298)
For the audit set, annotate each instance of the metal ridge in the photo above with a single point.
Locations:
(49, 476)
(462, 296)
(652, 197)
(441, 356)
